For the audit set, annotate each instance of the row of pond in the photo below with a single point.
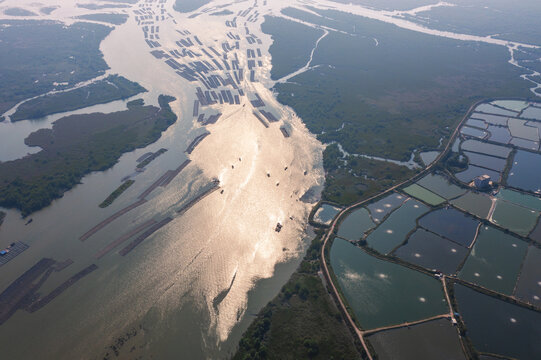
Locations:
(489, 240)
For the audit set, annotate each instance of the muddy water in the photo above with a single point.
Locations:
(170, 289)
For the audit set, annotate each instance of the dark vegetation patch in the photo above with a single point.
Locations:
(186, 6)
(292, 44)
(387, 100)
(115, 194)
(35, 54)
(350, 178)
(115, 19)
(112, 88)
(2, 216)
(302, 322)
(74, 147)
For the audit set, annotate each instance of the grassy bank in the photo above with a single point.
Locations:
(302, 322)
(37, 54)
(74, 147)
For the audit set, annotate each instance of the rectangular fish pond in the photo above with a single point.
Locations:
(393, 231)
(382, 293)
(495, 260)
(525, 173)
(383, 207)
(432, 252)
(441, 186)
(356, 223)
(498, 327)
(428, 340)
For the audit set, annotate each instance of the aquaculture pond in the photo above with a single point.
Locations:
(495, 260)
(451, 224)
(485, 148)
(474, 203)
(518, 128)
(326, 213)
(532, 113)
(525, 173)
(441, 186)
(432, 252)
(529, 201)
(466, 130)
(499, 134)
(529, 283)
(355, 225)
(382, 207)
(536, 233)
(491, 323)
(491, 119)
(393, 231)
(477, 123)
(422, 341)
(428, 157)
(491, 109)
(514, 105)
(525, 144)
(474, 171)
(513, 217)
(382, 293)
(423, 194)
(489, 162)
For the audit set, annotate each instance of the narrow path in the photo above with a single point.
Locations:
(406, 324)
(330, 231)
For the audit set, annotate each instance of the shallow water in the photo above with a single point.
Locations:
(423, 194)
(451, 224)
(423, 341)
(392, 232)
(515, 218)
(441, 186)
(326, 213)
(499, 134)
(473, 171)
(485, 148)
(168, 284)
(474, 203)
(485, 316)
(355, 225)
(432, 252)
(383, 207)
(529, 284)
(495, 260)
(490, 109)
(526, 172)
(382, 293)
(428, 157)
(489, 162)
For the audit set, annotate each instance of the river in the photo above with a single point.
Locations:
(193, 286)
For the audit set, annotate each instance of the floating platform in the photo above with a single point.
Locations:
(15, 249)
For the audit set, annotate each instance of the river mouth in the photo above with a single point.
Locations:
(216, 257)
